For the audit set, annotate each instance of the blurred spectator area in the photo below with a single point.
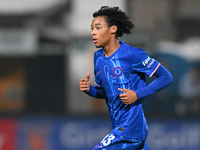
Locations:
(33, 43)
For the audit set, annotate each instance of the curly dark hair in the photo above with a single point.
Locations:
(114, 16)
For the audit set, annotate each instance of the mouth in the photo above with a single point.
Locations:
(94, 40)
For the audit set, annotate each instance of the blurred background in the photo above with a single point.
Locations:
(46, 48)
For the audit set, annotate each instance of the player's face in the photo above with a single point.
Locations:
(101, 33)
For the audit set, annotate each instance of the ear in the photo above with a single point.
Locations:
(113, 29)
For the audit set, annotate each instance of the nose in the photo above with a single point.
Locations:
(93, 32)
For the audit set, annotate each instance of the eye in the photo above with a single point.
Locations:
(91, 28)
(98, 28)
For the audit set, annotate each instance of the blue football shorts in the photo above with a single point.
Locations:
(115, 141)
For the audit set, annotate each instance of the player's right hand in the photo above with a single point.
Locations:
(85, 83)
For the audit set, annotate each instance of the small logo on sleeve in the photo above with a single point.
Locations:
(117, 71)
(148, 62)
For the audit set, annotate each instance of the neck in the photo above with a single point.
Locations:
(111, 48)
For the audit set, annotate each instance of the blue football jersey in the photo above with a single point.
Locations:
(125, 68)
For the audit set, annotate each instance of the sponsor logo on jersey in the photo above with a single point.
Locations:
(148, 62)
(117, 71)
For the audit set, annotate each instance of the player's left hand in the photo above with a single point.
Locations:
(128, 96)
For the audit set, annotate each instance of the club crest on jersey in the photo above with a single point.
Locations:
(117, 71)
